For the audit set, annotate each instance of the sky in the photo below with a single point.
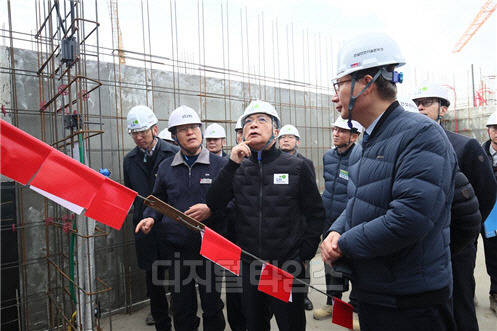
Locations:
(259, 33)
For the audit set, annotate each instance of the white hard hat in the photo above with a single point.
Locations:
(140, 118)
(215, 131)
(431, 90)
(289, 129)
(238, 125)
(261, 107)
(373, 49)
(183, 115)
(341, 123)
(165, 135)
(492, 120)
(407, 103)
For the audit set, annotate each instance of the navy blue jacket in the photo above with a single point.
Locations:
(474, 163)
(395, 229)
(336, 177)
(139, 177)
(182, 187)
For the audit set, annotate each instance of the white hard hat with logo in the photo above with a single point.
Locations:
(343, 124)
(373, 49)
(140, 118)
(238, 125)
(431, 90)
(261, 107)
(165, 135)
(215, 131)
(289, 129)
(408, 104)
(183, 115)
(492, 120)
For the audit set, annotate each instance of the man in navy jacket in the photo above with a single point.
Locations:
(336, 177)
(140, 170)
(182, 181)
(432, 100)
(394, 232)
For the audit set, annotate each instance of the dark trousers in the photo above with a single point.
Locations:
(234, 309)
(429, 318)
(190, 268)
(335, 285)
(259, 307)
(490, 247)
(159, 306)
(463, 266)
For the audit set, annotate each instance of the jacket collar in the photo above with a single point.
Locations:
(347, 151)
(203, 158)
(266, 155)
(383, 118)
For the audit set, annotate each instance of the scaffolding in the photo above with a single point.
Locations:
(68, 85)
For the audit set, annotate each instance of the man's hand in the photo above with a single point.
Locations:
(200, 212)
(240, 151)
(330, 252)
(145, 225)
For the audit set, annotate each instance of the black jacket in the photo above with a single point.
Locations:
(486, 146)
(477, 167)
(140, 177)
(465, 221)
(277, 203)
(309, 163)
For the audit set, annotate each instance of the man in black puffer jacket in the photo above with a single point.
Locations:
(432, 101)
(280, 215)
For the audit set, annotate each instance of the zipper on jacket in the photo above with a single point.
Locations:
(260, 208)
(356, 187)
(336, 178)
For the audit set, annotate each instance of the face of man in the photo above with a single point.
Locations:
(239, 136)
(430, 107)
(342, 138)
(189, 137)
(215, 145)
(145, 139)
(288, 143)
(492, 134)
(258, 129)
(342, 95)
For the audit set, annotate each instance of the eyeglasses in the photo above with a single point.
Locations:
(336, 85)
(427, 102)
(185, 128)
(261, 119)
(341, 130)
(140, 133)
(492, 128)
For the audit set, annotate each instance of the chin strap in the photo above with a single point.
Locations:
(392, 76)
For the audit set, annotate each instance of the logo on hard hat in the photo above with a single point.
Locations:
(353, 65)
(186, 116)
(374, 50)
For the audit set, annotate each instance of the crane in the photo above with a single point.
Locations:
(485, 12)
(116, 30)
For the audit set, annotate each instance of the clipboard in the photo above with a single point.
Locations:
(490, 224)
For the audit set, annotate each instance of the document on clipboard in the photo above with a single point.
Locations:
(490, 225)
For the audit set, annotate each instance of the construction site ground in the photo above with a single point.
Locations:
(487, 319)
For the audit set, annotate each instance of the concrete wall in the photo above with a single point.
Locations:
(310, 110)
